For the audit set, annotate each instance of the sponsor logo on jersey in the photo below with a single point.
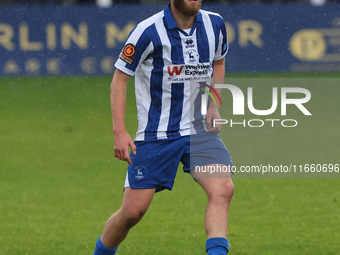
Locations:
(189, 43)
(175, 70)
(127, 54)
(187, 72)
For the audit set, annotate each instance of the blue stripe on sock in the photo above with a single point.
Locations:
(217, 246)
(101, 249)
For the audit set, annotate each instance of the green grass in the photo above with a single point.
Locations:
(59, 181)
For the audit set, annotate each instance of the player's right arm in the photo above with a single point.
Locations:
(122, 140)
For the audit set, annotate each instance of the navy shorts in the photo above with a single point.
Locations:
(156, 161)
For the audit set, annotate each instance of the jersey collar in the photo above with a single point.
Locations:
(170, 21)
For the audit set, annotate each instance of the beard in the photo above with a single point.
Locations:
(187, 9)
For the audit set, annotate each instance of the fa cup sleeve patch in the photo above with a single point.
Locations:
(127, 54)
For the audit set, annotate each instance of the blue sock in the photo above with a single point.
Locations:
(217, 246)
(101, 249)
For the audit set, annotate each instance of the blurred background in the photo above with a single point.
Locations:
(84, 37)
(109, 2)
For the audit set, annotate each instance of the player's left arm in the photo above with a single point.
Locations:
(213, 110)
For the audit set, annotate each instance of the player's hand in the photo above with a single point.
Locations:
(122, 142)
(212, 114)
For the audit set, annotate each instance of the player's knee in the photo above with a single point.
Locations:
(133, 215)
(230, 187)
(223, 193)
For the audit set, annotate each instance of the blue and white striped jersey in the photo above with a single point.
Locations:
(169, 64)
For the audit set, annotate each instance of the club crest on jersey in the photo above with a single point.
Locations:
(127, 54)
(191, 57)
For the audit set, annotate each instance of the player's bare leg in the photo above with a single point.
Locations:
(134, 206)
(219, 189)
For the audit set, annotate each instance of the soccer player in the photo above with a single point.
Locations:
(172, 54)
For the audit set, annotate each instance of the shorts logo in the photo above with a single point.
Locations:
(139, 173)
(127, 54)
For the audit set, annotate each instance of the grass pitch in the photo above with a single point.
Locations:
(59, 181)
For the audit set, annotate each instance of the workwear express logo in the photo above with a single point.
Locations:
(288, 96)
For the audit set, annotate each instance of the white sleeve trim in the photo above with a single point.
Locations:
(125, 70)
(223, 56)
